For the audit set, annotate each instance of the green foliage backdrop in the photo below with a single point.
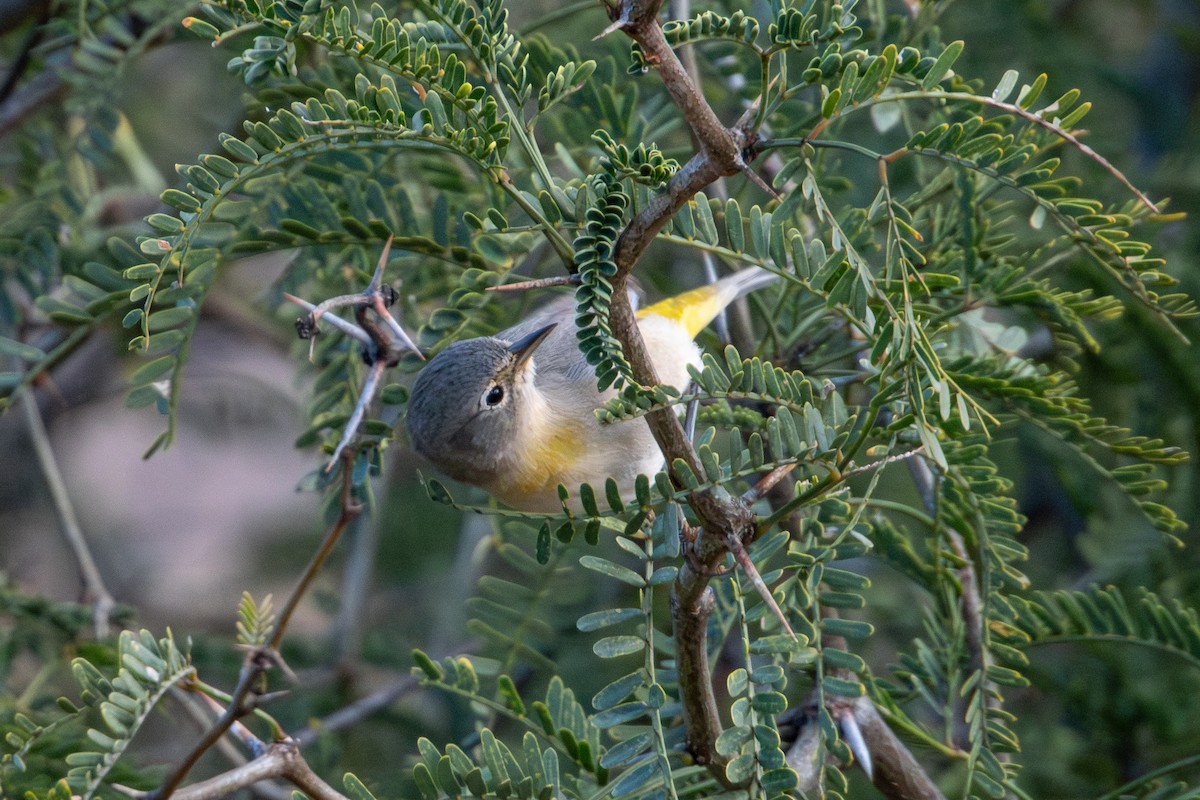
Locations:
(974, 378)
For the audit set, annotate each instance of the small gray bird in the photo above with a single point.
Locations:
(514, 413)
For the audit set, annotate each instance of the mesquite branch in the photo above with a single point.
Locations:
(282, 760)
(286, 761)
(720, 514)
(723, 518)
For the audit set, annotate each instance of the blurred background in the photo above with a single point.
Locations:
(223, 510)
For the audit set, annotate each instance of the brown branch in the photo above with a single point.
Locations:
(350, 509)
(700, 713)
(539, 283)
(282, 760)
(722, 516)
(243, 699)
(889, 764)
(897, 774)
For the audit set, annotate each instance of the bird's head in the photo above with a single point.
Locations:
(467, 405)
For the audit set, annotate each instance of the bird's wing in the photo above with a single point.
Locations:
(695, 308)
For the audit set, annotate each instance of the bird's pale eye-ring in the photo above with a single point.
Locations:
(494, 396)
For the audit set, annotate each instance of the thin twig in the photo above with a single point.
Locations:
(353, 713)
(538, 283)
(767, 483)
(346, 634)
(1033, 117)
(94, 588)
(281, 761)
(261, 659)
(203, 720)
(349, 511)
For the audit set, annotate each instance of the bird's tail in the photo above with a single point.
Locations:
(696, 308)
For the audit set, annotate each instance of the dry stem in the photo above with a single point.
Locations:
(258, 661)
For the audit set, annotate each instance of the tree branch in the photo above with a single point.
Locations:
(723, 517)
(897, 774)
(242, 700)
(94, 589)
(281, 761)
(879, 752)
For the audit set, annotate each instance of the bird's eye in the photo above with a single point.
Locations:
(494, 396)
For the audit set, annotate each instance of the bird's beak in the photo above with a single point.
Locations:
(523, 348)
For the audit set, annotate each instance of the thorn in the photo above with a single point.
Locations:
(539, 283)
(380, 296)
(757, 180)
(377, 278)
(615, 26)
(858, 745)
(379, 304)
(740, 555)
(767, 483)
(360, 409)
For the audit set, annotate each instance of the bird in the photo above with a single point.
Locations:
(514, 412)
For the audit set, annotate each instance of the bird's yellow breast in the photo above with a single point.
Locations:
(549, 454)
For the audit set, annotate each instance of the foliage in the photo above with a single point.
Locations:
(944, 273)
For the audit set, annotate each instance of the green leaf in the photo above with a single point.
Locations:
(734, 226)
(180, 200)
(706, 225)
(737, 682)
(355, 788)
(741, 769)
(847, 628)
(637, 778)
(21, 350)
(1007, 83)
(617, 691)
(152, 371)
(769, 703)
(616, 571)
(619, 715)
(730, 741)
(627, 750)
(942, 65)
(602, 619)
(617, 646)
